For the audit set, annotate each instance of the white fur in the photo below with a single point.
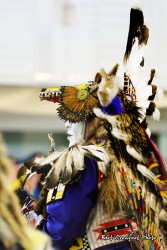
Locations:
(108, 86)
(111, 119)
(119, 134)
(163, 215)
(115, 124)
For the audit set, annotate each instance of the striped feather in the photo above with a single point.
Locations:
(41, 169)
(147, 173)
(45, 176)
(93, 149)
(59, 166)
(132, 151)
(152, 74)
(78, 159)
(147, 93)
(135, 25)
(100, 152)
(148, 108)
(134, 60)
(66, 175)
(51, 158)
(88, 153)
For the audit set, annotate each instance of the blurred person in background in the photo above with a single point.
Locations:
(15, 234)
(32, 185)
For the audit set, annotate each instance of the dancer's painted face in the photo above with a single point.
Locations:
(75, 132)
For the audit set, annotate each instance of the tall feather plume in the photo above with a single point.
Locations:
(137, 40)
(146, 91)
(136, 22)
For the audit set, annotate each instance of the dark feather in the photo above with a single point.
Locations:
(142, 62)
(28, 175)
(114, 70)
(137, 29)
(66, 176)
(22, 171)
(143, 38)
(28, 164)
(91, 156)
(154, 91)
(150, 110)
(98, 77)
(41, 169)
(52, 180)
(43, 177)
(151, 76)
(144, 124)
(33, 161)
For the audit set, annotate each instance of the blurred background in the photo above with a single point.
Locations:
(47, 43)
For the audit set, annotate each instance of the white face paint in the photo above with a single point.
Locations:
(75, 132)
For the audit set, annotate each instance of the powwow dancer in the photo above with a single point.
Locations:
(108, 189)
